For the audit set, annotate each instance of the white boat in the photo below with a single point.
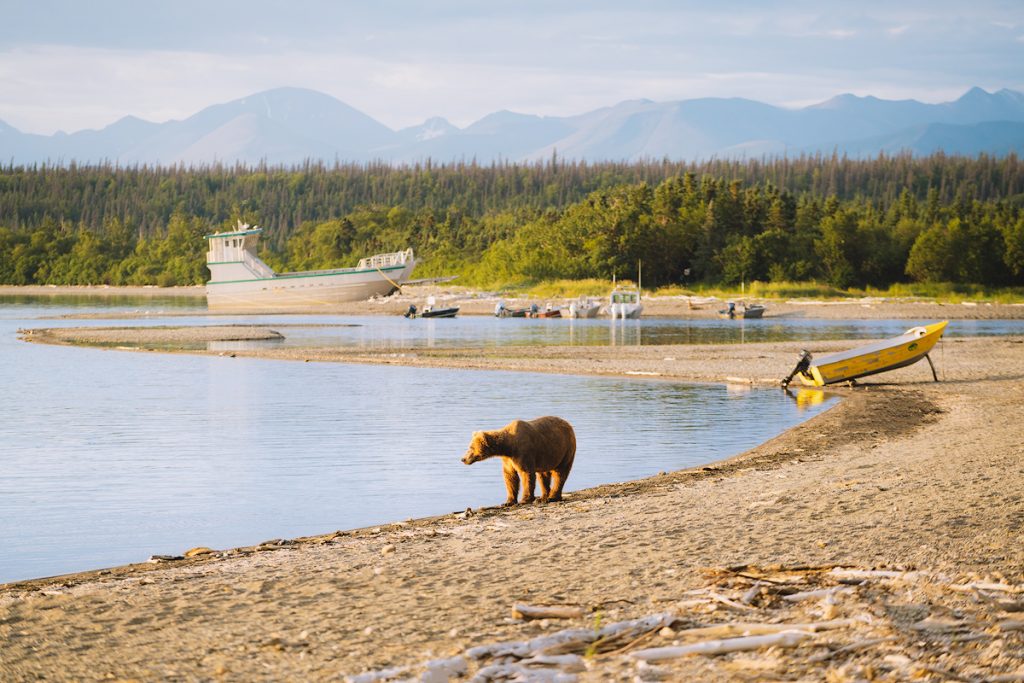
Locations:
(624, 302)
(240, 281)
(584, 307)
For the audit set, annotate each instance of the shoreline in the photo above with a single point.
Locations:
(903, 474)
(480, 303)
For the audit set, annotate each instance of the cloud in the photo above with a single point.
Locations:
(463, 60)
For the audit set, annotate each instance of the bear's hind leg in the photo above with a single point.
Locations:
(511, 484)
(545, 485)
(558, 480)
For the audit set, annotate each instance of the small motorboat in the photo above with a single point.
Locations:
(430, 312)
(870, 359)
(502, 311)
(440, 312)
(548, 312)
(584, 307)
(745, 311)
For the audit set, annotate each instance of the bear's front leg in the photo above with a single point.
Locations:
(529, 478)
(511, 484)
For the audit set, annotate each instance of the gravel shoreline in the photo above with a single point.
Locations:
(920, 479)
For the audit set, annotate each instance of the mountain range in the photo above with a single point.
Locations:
(288, 126)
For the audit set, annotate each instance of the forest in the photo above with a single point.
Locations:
(849, 223)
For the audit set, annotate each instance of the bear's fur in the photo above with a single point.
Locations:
(528, 448)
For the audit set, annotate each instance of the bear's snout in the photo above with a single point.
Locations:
(469, 458)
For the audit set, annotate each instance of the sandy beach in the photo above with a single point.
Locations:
(880, 540)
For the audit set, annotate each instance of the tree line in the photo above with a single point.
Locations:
(847, 222)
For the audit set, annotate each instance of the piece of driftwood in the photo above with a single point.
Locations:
(577, 637)
(756, 629)
(868, 574)
(852, 647)
(820, 593)
(521, 611)
(379, 675)
(518, 672)
(732, 604)
(751, 593)
(568, 663)
(986, 586)
(443, 670)
(723, 646)
(637, 626)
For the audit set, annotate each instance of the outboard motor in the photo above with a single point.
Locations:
(801, 366)
(411, 313)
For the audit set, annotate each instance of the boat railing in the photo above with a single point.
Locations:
(257, 266)
(397, 258)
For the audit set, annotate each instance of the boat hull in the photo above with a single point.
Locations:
(872, 359)
(304, 291)
(441, 313)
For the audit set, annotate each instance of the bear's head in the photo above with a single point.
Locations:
(480, 448)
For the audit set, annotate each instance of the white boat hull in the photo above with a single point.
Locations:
(301, 292)
(625, 311)
(577, 310)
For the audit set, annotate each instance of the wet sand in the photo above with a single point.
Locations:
(903, 474)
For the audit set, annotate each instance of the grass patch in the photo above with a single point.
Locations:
(940, 292)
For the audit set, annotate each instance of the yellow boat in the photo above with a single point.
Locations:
(898, 352)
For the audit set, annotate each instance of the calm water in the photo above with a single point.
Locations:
(107, 457)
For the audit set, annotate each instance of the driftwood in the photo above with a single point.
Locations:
(724, 646)
(443, 670)
(868, 574)
(381, 675)
(820, 593)
(520, 673)
(568, 663)
(944, 613)
(852, 647)
(743, 629)
(540, 645)
(521, 611)
(986, 586)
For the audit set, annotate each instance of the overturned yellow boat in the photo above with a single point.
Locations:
(870, 359)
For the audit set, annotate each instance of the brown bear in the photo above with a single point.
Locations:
(528, 448)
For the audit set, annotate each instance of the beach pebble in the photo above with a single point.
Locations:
(196, 552)
(388, 549)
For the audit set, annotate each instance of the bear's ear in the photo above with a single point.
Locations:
(485, 439)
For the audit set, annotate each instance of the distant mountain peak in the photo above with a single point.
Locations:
(974, 92)
(434, 127)
(290, 125)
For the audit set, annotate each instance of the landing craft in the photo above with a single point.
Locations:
(241, 281)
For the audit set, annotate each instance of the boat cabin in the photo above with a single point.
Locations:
(232, 255)
(625, 296)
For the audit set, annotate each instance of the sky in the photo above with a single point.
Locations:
(71, 65)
